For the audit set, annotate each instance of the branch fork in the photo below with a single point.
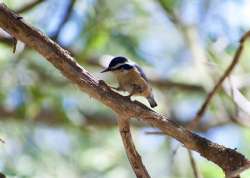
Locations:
(231, 161)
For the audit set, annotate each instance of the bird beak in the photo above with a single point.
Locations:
(105, 70)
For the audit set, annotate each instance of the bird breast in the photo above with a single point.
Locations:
(131, 79)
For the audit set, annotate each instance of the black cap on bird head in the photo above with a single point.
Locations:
(115, 63)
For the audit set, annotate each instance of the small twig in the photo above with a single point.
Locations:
(133, 156)
(193, 164)
(29, 6)
(14, 44)
(210, 95)
(14, 40)
(64, 19)
(163, 83)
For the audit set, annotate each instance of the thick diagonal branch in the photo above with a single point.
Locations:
(133, 156)
(229, 160)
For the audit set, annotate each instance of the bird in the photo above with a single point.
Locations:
(131, 79)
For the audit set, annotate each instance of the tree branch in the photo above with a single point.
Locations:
(228, 71)
(133, 155)
(193, 165)
(53, 118)
(28, 6)
(228, 159)
(64, 19)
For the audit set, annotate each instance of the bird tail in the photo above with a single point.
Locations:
(152, 101)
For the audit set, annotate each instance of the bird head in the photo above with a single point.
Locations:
(118, 63)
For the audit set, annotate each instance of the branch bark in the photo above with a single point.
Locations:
(133, 156)
(228, 159)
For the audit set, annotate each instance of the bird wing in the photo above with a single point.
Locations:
(141, 72)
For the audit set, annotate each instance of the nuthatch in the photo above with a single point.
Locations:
(131, 78)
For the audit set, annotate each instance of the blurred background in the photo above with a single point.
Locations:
(51, 129)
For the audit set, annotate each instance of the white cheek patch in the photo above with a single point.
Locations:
(125, 71)
(117, 65)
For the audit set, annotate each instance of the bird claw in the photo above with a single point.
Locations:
(103, 84)
(128, 97)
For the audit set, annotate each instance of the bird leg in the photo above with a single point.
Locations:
(132, 93)
(136, 89)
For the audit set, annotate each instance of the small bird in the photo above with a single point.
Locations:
(131, 78)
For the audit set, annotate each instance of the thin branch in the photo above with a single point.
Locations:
(14, 44)
(228, 71)
(228, 159)
(133, 156)
(28, 6)
(64, 19)
(50, 117)
(166, 84)
(193, 164)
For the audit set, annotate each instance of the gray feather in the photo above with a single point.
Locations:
(152, 101)
(141, 72)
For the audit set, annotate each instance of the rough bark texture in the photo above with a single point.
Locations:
(133, 155)
(229, 160)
